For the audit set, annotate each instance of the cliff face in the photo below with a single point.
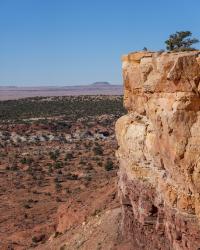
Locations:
(159, 150)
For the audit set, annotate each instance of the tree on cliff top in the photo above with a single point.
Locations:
(181, 41)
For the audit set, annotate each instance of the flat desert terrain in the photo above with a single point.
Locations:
(58, 172)
(13, 93)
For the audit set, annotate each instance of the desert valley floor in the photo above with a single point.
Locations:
(57, 167)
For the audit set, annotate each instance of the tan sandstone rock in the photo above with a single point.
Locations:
(159, 150)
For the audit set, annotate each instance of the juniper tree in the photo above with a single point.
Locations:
(180, 41)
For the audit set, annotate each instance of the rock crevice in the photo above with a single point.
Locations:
(159, 145)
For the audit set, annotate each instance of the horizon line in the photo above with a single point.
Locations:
(55, 85)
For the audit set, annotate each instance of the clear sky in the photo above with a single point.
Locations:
(66, 42)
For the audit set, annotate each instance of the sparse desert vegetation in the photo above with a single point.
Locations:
(55, 152)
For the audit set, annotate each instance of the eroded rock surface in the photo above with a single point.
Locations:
(159, 150)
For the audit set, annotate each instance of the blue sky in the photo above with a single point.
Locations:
(66, 42)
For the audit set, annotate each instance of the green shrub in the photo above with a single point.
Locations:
(109, 165)
(26, 160)
(58, 165)
(98, 150)
(69, 156)
(54, 154)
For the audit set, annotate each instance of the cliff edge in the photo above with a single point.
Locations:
(159, 150)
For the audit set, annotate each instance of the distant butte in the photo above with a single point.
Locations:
(101, 84)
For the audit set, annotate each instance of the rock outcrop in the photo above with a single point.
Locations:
(159, 150)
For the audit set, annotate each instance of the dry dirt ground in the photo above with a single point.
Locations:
(58, 174)
(99, 232)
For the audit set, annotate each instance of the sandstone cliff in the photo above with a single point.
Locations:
(159, 150)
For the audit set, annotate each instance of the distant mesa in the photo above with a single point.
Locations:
(100, 84)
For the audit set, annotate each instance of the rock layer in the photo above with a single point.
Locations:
(159, 146)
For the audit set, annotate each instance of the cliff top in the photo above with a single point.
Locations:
(138, 55)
